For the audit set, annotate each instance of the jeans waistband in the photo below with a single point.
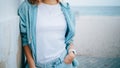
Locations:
(53, 62)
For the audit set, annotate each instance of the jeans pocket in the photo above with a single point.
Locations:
(67, 65)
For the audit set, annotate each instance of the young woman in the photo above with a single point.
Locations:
(47, 28)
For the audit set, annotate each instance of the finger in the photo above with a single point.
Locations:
(68, 59)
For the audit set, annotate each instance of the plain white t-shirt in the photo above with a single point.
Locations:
(50, 32)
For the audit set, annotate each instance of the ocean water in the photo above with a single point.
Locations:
(97, 10)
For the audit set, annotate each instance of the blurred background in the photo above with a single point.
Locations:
(97, 38)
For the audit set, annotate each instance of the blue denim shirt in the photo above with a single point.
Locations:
(28, 13)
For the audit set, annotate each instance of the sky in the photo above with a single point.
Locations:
(94, 2)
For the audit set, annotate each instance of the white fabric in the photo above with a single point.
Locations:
(50, 32)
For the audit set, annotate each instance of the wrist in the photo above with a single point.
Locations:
(72, 51)
(71, 54)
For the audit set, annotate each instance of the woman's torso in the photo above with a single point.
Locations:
(50, 32)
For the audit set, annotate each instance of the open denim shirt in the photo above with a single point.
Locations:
(28, 13)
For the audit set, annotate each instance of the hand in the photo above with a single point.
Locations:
(69, 58)
(31, 64)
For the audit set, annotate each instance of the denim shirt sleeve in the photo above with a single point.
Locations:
(22, 24)
(72, 17)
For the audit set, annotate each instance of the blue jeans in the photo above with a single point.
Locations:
(56, 63)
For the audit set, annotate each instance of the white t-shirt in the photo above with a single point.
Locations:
(50, 32)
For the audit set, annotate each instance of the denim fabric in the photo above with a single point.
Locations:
(56, 63)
